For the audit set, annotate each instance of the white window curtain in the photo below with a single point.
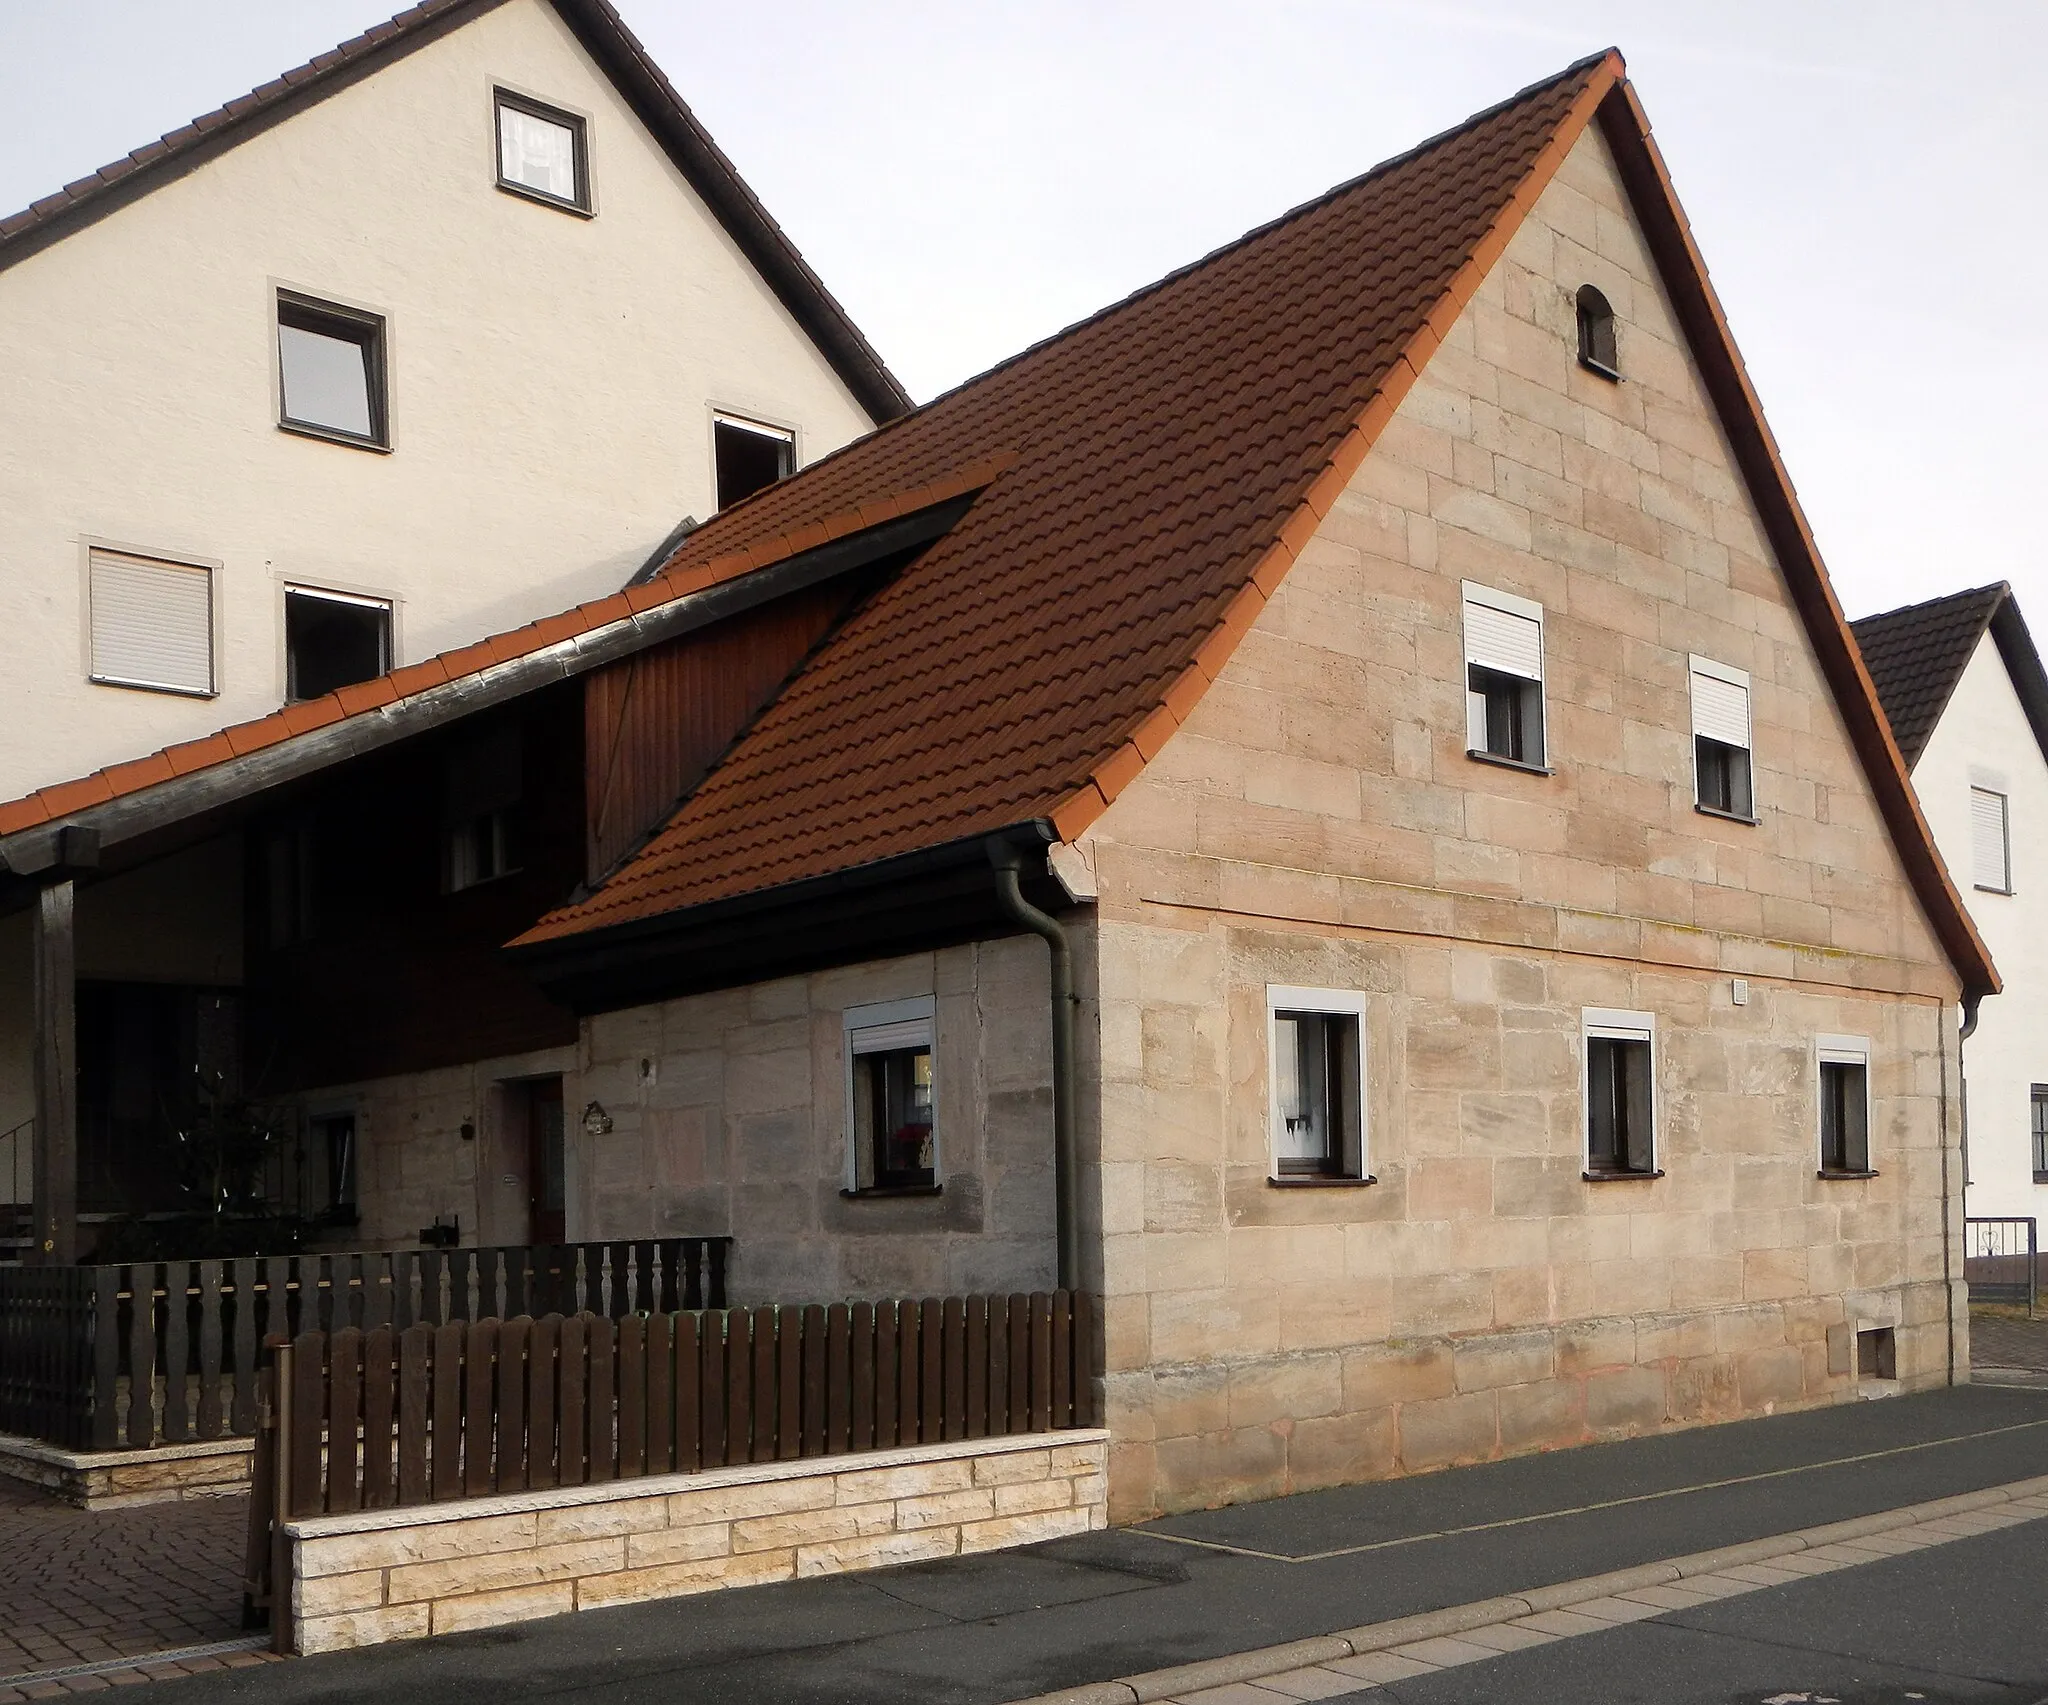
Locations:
(1720, 703)
(152, 623)
(1990, 838)
(537, 152)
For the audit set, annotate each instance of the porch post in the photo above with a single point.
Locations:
(56, 1077)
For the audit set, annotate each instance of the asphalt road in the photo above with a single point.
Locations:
(980, 1630)
(1962, 1622)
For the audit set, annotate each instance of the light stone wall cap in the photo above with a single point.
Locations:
(668, 1485)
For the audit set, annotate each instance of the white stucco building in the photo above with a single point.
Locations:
(1967, 698)
(421, 341)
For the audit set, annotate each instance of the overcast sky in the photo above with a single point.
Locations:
(1864, 177)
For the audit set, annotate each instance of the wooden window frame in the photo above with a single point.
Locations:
(584, 205)
(1599, 335)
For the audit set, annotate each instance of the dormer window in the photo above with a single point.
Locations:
(542, 154)
(1596, 334)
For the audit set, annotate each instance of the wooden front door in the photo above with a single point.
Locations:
(546, 1221)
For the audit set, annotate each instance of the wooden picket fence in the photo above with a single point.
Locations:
(386, 1418)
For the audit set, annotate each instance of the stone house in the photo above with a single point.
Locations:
(1497, 986)
(1963, 687)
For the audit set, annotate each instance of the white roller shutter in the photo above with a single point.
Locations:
(152, 623)
(1720, 703)
(1990, 842)
(1504, 641)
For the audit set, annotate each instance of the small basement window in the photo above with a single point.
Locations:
(1877, 1353)
(330, 365)
(1621, 1094)
(892, 1142)
(1722, 777)
(1318, 1085)
(749, 457)
(151, 622)
(542, 153)
(1596, 334)
(333, 640)
(1503, 677)
(1844, 1075)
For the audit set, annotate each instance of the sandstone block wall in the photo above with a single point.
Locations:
(1317, 822)
(360, 1580)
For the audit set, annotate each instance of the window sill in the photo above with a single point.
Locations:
(2041, 1178)
(1600, 367)
(1845, 1172)
(877, 1191)
(1499, 762)
(1984, 888)
(1320, 1181)
(1727, 816)
(556, 202)
(1619, 1177)
(328, 435)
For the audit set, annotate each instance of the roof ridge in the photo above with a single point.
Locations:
(2001, 587)
(1189, 268)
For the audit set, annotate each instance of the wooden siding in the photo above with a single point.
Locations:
(655, 722)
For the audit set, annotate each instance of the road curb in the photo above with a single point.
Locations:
(1157, 1684)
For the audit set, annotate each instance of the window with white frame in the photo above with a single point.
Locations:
(1621, 1093)
(1990, 832)
(1844, 1078)
(747, 457)
(1722, 780)
(151, 623)
(891, 1099)
(1316, 1041)
(333, 640)
(1503, 677)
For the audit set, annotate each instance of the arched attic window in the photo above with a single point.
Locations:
(1596, 334)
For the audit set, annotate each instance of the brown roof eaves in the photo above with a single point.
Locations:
(1684, 269)
(608, 40)
(551, 648)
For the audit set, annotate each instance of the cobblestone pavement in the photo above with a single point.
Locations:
(2008, 1341)
(84, 1587)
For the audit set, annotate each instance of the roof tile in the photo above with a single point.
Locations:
(1159, 457)
(1916, 655)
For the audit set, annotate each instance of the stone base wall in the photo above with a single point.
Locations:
(360, 1580)
(111, 1479)
(1205, 1434)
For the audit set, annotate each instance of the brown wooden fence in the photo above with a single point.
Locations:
(375, 1419)
(95, 1358)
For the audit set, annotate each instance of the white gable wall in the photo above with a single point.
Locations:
(551, 386)
(1984, 728)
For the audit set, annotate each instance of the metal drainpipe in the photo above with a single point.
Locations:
(1007, 862)
(1971, 1003)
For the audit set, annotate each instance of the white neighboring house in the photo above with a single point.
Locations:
(441, 333)
(1967, 698)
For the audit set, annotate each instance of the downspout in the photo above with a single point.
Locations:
(1971, 1003)
(1007, 862)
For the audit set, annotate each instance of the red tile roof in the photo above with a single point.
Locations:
(622, 57)
(1172, 453)
(762, 550)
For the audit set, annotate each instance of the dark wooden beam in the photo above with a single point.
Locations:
(56, 1076)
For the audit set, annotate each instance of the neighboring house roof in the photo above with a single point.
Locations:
(1144, 481)
(619, 54)
(1173, 453)
(1917, 655)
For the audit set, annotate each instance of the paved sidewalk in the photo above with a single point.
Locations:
(983, 1630)
(83, 1587)
(1999, 1341)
